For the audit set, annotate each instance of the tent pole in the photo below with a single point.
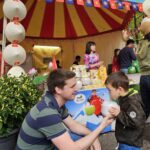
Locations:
(3, 44)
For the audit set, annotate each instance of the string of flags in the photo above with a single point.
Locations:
(113, 4)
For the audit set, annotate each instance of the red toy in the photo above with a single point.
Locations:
(96, 101)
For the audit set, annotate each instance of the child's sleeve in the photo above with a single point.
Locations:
(134, 116)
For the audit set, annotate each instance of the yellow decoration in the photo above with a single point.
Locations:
(102, 74)
(51, 50)
(41, 52)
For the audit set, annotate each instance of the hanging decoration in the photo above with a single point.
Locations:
(146, 7)
(15, 32)
(14, 10)
(88, 3)
(135, 5)
(14, 54)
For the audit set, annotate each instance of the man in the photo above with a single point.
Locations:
(47, 122)
(126, 56)
(77, 60)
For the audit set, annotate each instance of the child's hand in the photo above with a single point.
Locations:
(114, 111)
(107, 121)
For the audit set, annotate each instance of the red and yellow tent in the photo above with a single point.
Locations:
(70, 27)
(63, 21)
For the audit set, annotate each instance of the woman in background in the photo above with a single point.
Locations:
(115, 62)
(91, 58)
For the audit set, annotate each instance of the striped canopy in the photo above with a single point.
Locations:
(58, 20)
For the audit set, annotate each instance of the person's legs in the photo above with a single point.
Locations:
(127, 147)
(145, 93)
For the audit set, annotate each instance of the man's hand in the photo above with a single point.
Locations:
(107, 121)
(114, 111)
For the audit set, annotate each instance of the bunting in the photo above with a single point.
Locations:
(113, 4)
(60, 1)
(127, 5)
(96, 3)
(80, 2)
(135, 5)
(105, 3)
(70, 1)
(89, 3)
(49, 1)
(120, 5)
(140, 7)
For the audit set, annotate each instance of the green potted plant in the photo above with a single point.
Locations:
(17, 96)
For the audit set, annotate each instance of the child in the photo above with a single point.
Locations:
(130, 119)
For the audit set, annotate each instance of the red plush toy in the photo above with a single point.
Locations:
(96, 101)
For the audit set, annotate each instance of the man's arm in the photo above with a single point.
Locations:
(75, 126)
(80, 130)
(64, 142)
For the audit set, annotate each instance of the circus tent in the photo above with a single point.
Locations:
(55, 22)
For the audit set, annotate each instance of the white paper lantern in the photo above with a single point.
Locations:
(15, 32)
(16, 71)
(146, 19)
(146, 7)
(106, 105)
(14, 54)
(14, 10)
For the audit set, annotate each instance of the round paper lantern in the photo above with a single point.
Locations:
(14, 10)
(15, 71)
(14, 54)
(15, 32)
(145, 25)
(106, 105)
(146, 7)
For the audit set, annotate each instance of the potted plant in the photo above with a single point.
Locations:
(17, 96)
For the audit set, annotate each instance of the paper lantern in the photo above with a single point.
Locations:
(146, 7)
(106, 105)
(14, 10)
(14, 54)
(145, 25)
(15, 71)
(15, 32)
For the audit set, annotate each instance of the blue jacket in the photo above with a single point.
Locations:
(126, 56)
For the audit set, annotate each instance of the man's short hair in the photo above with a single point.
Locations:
(118, 79)
(57, 78)
(130, 41)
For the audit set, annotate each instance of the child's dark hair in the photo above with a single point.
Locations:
(88, 47)
(118, 79)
